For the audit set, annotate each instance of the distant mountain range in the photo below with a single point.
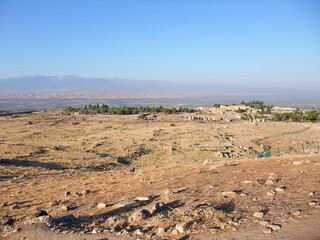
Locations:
(34, 84)
(41, 92)
(72, 84)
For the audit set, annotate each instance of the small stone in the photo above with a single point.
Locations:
(269, 182)
(5, 220)
(85, 192)
(157, 207)
(138, 232)
(142, 199)
(67, 218)
(244, 194)
(160, 231)
(65, 208)
(214, 230)
(181, 227)
(280, 189)
(275, 227)
(271, 193)
(297, 213)
(54, 203)
(140, 215)
(77, 194)
(255, 199)
(312, 203)
(132, 169)
(96, 230)
(267, 230)
(312, 193)
(180, 190)
(102, 205)
(17, 230)
(174, 232)
(229, 193)
(124, 204)
(7, 228)
(38, 213)
(67, 194)
(263, 222)
(246, 181)
(258, 214)
(15, 206)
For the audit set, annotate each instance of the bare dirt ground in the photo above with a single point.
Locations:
(154, 179)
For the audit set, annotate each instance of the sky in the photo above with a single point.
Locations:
(230, 42)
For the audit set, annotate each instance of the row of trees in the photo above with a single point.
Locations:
(264, 108)
(298, 115)
(125, 110)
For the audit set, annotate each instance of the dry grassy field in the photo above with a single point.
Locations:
(120, 177)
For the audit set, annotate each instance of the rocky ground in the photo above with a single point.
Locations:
(56, 182)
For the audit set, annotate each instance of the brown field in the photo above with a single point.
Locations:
(177, 164)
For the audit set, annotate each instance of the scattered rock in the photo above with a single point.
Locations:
(300, 162)
(246, 181)
(229, 193)
(3, 204)
(65, 208)
(77, 194)
(214, 230)
(142, 199)
(269, 181)
(157, 207)
(174, 232)
(67, 218)
(124, 204)
(138, 232)
(16, 230)
(271, 193)
(97, 230)
(161, 230)
(5, 220)
(7, 228)
(312, 193)
(53, 203)
(132, 169)
(244, 194)
(297, 213)
(275, 227)
(263, 222)
(280, 189)
(15, 206)
(312, 203)
(181, 227)
(85, 192)
(102, 205)
(267, 230)
(258, 214)
(39, 213)
(41, 219)
(180, 190)
(67, 194)
(140, 215)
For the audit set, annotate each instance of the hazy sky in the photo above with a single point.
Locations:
(228, 42)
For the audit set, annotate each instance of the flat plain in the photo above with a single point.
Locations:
(120, 177)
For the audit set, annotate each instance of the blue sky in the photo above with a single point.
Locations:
(230, 42)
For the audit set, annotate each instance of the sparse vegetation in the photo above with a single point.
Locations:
(298, 116)
(125, 110)
(264, 109)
